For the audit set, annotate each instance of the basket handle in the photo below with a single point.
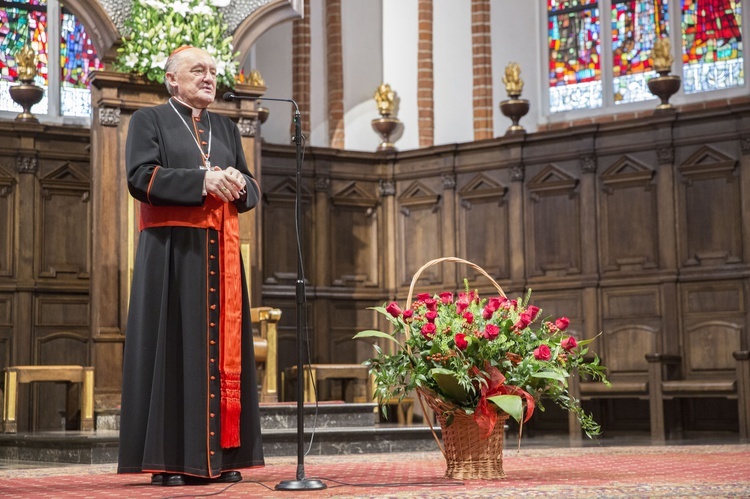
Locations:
(449, 259)
(408, 306)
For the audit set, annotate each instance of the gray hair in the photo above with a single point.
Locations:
(172, 62)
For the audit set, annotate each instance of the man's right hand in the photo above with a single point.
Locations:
(223, 185)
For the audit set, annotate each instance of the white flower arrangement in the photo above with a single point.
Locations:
(156, 28)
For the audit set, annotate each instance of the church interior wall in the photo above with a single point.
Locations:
(453, 74)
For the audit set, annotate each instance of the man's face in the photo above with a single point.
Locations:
(194, 79)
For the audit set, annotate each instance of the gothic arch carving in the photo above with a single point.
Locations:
(262, 19)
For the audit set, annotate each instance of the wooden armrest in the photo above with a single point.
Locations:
(663, 358)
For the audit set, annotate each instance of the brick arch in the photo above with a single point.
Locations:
(261, 20)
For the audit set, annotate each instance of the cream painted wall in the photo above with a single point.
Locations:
(452, 66)
(400, 64)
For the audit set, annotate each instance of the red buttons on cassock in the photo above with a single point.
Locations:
(213, 360)
(212, 414)
(213, 396)
(213, 290)
(212, 273)
(213, 241)
(212, 257)
(213, 307)
(213, 378)
(212, 453)
(212, 434)
(212, 342)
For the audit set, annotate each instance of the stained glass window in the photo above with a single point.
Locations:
(636, 25)
(27, 20)
(77, 60)
(574, 55)
(711, 45)
(22, 22)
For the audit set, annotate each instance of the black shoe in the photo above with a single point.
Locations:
(172, 480)
(156, 478)
(230, 477)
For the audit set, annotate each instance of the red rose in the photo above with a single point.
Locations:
(430, 316)
(523, 321)
(494, 303)
(431, 304)
(491, 331)
(461, 306)
(428, 330)
(487, 313)
(542, 352)
(569, 343)
(468, 317)
(446, 297)
(461, 342)
(408, 314)
(423, 296)
(562, 323)
(393, 309)
(532, 311)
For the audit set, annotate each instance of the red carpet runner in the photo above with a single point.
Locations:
(618, 472)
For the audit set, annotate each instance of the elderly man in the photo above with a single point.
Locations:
(189, 396)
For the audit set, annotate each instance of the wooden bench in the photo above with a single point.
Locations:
(666, 384)
(315, 373)
(59, 374)
(265, 345)
(627, 370)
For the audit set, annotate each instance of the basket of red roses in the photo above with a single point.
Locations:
(475, 362)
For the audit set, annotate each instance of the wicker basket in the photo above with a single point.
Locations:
(467, 454)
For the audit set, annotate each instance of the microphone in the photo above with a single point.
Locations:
(229, 97)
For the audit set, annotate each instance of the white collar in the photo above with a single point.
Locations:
(196, 112)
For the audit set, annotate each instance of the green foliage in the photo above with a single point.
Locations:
(471, 350)
(155, 29)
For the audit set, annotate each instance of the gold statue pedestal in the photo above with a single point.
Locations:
(664, 86)
(26, 95)
(385, 126)
(515, 109)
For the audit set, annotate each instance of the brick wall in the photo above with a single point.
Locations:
(335, 70)
(482, 69)
(301, 68)
(425, 76)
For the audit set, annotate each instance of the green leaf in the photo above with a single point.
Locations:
(550, 375)
(371, 333)
(449, 385)
(509, 403)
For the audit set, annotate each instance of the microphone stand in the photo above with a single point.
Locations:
(300, 483)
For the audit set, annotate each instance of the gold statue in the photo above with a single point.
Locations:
(386, 99)
(512, 80)
(256, 79)
(662, 54)
(26, 60)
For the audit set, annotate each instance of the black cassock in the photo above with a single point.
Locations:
(170, 417)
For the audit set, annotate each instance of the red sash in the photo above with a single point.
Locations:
(222, 217)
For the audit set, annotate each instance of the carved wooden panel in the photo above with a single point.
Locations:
(61, 311)
(553, 224)
(710, 209)
(347, 319)
(628, 217)
(279, 238)
(626, 348)
(7, 215)
(64, 224)
(626, 303)
(419, 232)
(483, 227)
(353, 236)
(709, 346)
(714, 299)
